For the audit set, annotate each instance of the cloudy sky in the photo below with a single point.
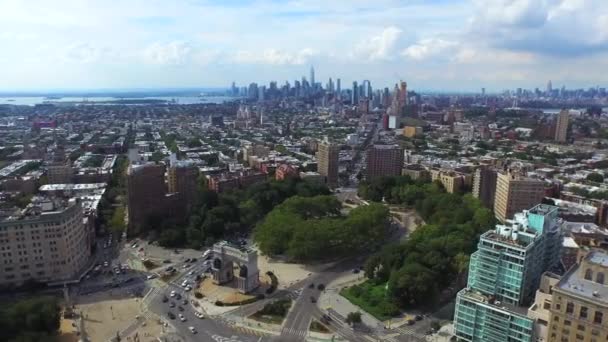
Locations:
(433, 44)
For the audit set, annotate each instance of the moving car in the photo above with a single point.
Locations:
(199, 315)
(171, 315)
(182, 318)
(192, 330)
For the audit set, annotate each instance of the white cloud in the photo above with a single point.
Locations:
(275, 57)
(428, 48)
(555, 28)
(172, 53)
(379, 47)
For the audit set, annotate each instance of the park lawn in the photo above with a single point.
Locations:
(273, 313)
(372, 299)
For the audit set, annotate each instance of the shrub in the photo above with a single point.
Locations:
(198, 295)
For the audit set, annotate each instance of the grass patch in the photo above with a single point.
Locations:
(273, 313)
(371, 298)
(316, 326)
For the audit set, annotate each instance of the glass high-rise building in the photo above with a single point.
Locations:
(504, 274)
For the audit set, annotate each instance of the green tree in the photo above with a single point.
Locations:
(595, 177)
(353, 318)
(117, 223)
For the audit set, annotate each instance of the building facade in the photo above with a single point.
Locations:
(146, 192)
(328, 162)
(504, 274)
(579, 305)
(46, 242)
(384, 160)
(484, 185)
(561, 126)
(451, 180)
(515, 193)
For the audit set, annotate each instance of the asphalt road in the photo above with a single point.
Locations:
(207, 329)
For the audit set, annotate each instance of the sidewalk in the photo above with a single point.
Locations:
(331, 300)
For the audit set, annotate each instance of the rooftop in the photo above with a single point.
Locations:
(487, 300)
(574, 282)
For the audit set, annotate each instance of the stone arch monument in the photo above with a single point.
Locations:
(226, 256)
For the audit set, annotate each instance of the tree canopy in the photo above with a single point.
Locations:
(436, 253)
(216, 216)
(35, 319)
(314, 228)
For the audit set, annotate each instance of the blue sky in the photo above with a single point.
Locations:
(433, 44)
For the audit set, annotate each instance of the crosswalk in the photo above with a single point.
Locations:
(293, 334)
(411, 333)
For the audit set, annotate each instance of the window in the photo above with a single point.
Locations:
(567, 322)
(600, 277)
(570, 308)
(581, 327)
(588, 274)
(583, 313)
(597, 318)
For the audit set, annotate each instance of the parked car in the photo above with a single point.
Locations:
(192, 330)
(171, 315)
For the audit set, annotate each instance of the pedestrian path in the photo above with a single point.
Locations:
(291, 334)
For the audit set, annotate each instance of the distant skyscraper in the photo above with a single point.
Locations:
(312, 76)
(338, 87)
(355, 95)
(561, 126)
(549, 87)
(483, 91)
(328, 162)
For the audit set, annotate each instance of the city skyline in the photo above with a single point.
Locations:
(434, 45)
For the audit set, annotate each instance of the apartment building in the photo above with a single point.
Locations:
(45, 242)
(515, 193)
(484, 185)
(384, 160)
(328, 162)
(451, 180)
(579, 305)
(504, 274)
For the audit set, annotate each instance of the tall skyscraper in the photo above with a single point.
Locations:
(328, 162)
(338, 86)
(504, 274)
(355, 95)
(312, 76)
(549, 87)
(384, 160)
(484, 185)
(515, 193)
(403, 93)
(561, 126)
(579, 303)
